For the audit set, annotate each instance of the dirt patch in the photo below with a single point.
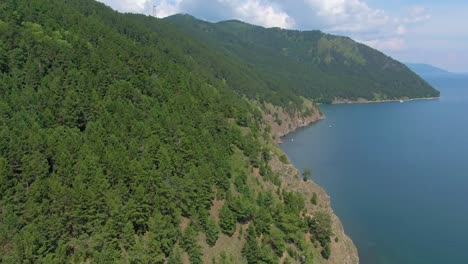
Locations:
(256, 172)
(184, 223)
(231, 245)
(215, 208)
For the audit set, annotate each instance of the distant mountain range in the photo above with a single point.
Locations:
(427, 70)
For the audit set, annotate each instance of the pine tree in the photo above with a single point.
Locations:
(306, 174)
(313, 200)
(212, 231)
(128, 235)
(250, 250)
(175, 257)
(277, 240)
(326, 251)
(227, 220)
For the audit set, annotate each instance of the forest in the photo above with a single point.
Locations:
(115, 142)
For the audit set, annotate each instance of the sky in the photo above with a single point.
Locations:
(419, 31)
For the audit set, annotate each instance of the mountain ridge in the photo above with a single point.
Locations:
(424, 69)
(311, 63)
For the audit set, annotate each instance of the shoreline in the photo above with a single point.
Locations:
(365, 101)
(344, 251)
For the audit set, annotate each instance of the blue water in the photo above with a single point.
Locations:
(397, 174)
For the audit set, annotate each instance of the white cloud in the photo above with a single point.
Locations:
(134, 6)
(416, 14)
(166, 8)
(371, 26)
(401, 30)
(351, 16)
(259, 12)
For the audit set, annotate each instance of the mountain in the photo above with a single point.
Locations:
(124, 140)
(427, 70)
(308, 63)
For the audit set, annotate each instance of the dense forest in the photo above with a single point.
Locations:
(117, 141)
(308, 63)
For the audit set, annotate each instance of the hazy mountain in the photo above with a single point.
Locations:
(427, 70)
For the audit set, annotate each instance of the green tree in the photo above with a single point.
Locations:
(175, 257)
(250, 249)
(212, 231)
(313, 200)
(189, 243)
(277, 240)
(227, 220)
(306, 174)
(326, 251)
(128, 235)
(320, 226)
(267, 255)
(263, 220)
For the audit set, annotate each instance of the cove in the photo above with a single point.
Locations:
(397, 174)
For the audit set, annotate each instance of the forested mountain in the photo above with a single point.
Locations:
(309, 63)
(124, 141)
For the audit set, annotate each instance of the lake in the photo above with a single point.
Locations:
(397, 174)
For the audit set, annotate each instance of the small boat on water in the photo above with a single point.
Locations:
(401, 101)
(292, 139)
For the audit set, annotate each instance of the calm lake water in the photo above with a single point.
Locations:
(397, 174)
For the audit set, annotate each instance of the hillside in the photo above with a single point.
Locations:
(123, 141)
(313, 64)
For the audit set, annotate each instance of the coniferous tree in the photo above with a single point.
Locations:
(212, 231)
(326, 251)
(277, 240)
(250, 250)
(227, 220)
(306, 174)
(175, 257)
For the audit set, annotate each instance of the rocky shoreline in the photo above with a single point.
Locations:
(343, 251)
(282, 123)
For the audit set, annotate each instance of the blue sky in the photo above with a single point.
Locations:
(423, 31)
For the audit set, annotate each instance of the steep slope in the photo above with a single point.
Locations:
(119, 145)
(309, 63)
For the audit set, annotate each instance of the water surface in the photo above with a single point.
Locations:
(397, 174)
